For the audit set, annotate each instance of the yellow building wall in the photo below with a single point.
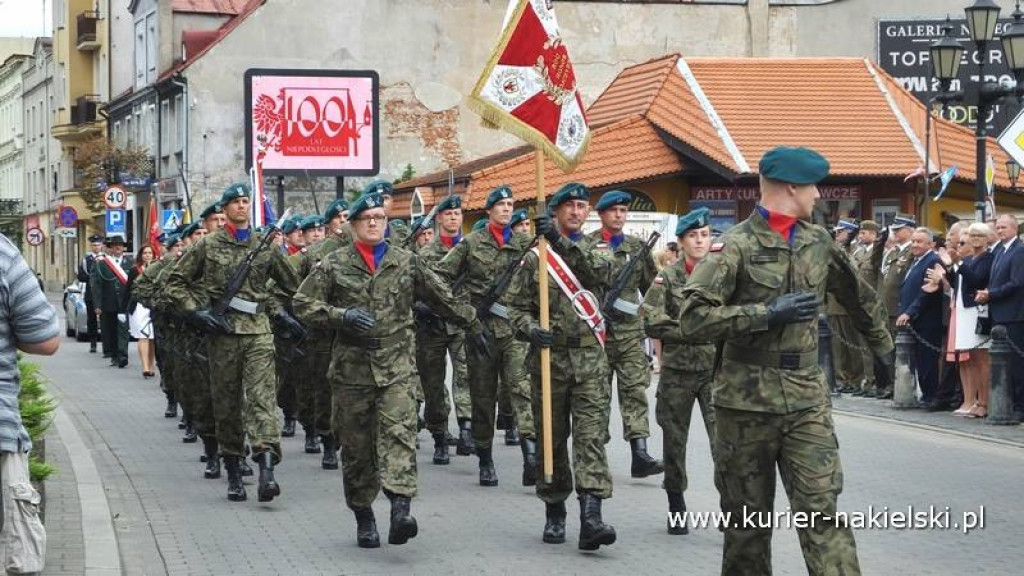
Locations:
(959, 200)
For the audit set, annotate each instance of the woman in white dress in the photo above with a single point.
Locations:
(139, 324)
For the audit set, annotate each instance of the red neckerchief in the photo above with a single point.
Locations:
(612, 240)
(451, 241)
(501, 234)
(372, 255)
(293, 249)
(783, 224)
(689, 266)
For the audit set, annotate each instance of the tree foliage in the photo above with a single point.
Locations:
(99, 160)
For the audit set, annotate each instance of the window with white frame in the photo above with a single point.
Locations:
(140, 54)
(151, 48)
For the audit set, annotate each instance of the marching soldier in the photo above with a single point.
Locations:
(580, 395)
(107, 281)
(192, 373)
(294, 240)
(313, 230)
(240, 360)
(688, 369)
(625, 345)
(287, 366)
(366, 291)
(84, 273)
(520, 222)
(396, 231)
(476, 263)
(436, 339)
(759, 290)
(146, 288)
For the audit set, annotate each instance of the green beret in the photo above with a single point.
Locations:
(335, 208)
(171, 240)
(613, 198)
(450, 203)
(190, 230)
(499, 193)
(310, 222)
(698, 218)
(234, 192)
(290, 225)
(518, 216)
(365, 202)
(571, 191)
(398, 222)
(215, 208)
(479, 224)
(382, 187)
(793, 165)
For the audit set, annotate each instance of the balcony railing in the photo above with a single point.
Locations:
(83, 111)
(87, 39)
(11, 208)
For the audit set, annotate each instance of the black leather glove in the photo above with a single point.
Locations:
(205, 320)
(545, 227)
(542, 338)
(793, 308)
(358, 320)
(291, 325)
(479, 339)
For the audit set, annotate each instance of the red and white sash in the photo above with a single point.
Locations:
(116, 269)
(583, 301)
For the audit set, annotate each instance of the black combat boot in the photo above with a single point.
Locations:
(554, 526)
(529, 448)
(403, 525)
(181, 422)
(488, 476)
(172, 408)
(676, 517)
(593, 531)
(288, 430)
(643, 465)
(92, 347)
(191, 436)
(243, 464)
(512, 437)
(441, 449)
(212, 460)
(330, 459)
(236, 490)
(312, 442)
(268, 487)
(466, 446)
(503, 421)
(366, 529)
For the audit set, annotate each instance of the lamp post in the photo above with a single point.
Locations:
(946, 55)
(1013, 173)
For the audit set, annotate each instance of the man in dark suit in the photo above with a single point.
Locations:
(1005, 298)
(108, 280)
(84, 270)
(922, 311)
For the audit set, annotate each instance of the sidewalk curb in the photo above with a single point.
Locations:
(930, 428)
(102, 554)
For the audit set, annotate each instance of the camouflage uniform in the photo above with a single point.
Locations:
(479, 258)
(434, 339)
(145, 289)
(580, 396)
(625, 346)
(241, 364)
(686, 374)
(397, 232)
(896, 264)
(771, 403)
(846, 343)
(373, 376)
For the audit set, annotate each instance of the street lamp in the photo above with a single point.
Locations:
(1013, 173)
(946, 54)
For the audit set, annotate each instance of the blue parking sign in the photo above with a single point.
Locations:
(115, 222)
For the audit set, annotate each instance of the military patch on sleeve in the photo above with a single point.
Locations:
(717, 246)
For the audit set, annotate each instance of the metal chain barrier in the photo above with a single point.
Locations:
(838, 336)
(939, 349)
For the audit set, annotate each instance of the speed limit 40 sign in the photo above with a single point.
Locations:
(114, 198)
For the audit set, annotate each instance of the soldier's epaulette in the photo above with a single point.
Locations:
(717, 247)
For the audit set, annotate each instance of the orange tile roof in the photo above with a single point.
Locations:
(632, 92)
(624, 151)
(227, 7)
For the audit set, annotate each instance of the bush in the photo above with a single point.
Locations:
(36, 414)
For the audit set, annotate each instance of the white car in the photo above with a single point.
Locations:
(75, 315)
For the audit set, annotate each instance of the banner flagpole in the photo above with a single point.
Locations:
(545, 323)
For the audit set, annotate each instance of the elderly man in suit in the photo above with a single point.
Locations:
(922, 312)
(1005, 298)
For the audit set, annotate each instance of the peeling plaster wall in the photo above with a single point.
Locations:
(428, 54)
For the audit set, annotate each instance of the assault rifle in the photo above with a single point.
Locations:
(220, 307)
(613, 305)
(502, 282)
(427, 222)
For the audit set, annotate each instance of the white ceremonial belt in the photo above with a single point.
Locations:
(499, 310)
(626, 307)
(244, 306)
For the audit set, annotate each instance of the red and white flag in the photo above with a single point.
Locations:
(529, 87)
(154, 227)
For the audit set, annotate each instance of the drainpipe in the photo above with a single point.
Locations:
(179, 81)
